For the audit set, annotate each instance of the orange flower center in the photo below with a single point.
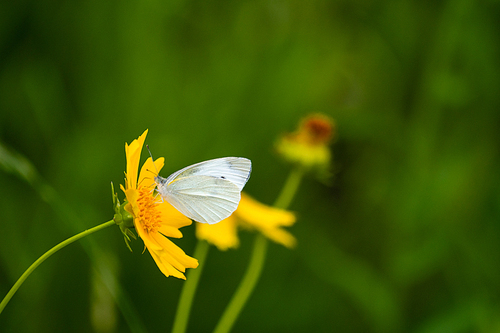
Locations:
(149, 215)
(317, 130)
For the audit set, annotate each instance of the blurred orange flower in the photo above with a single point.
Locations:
(308, 146)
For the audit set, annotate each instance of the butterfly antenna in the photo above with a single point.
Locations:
(152, 159)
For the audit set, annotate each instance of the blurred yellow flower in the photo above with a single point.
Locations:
(154, 219)
(308, 146)
(253, 215)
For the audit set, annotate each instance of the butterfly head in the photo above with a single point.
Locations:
(160, 181)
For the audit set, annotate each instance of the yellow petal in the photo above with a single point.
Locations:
(169, 231)
(172, 216)
(166, 268)
(171, 259)
(267, 220)
(176, 252)
(133, 153)
(279, 236)
(149, 171)
(223, 234)
(131, 194)
(260, 215)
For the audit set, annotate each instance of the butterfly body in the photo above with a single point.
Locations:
(209, 191)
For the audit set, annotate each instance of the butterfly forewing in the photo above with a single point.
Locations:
(235, 169)
(205, 199)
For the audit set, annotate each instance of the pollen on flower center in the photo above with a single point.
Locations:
(149, 215)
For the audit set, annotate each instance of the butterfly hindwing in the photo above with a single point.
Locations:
(205, 199)
(235, 169)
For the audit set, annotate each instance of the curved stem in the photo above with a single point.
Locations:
(47, 254)
(18, 165)
(246, 286)
(254, 270)
(189, 289)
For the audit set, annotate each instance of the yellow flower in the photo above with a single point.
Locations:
(250, 214)
(154, 219)
(308, 146)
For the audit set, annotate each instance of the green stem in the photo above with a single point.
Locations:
(246, 286)
(189, 289)
(289, 189)
(254, 270)
(47, 254)
(16, 164)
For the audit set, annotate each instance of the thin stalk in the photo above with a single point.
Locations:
(258, 256)
(189, 289)
(18, 165)
(246, 287)
(289, 189)
(47, 254)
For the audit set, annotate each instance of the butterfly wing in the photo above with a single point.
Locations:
(209, 191)
(235, 169)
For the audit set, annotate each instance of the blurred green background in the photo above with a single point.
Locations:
(405, 239)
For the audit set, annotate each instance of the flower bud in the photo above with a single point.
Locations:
(308, 146)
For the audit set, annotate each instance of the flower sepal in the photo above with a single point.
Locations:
(123, 218)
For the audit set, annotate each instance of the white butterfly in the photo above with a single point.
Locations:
(209, 191)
